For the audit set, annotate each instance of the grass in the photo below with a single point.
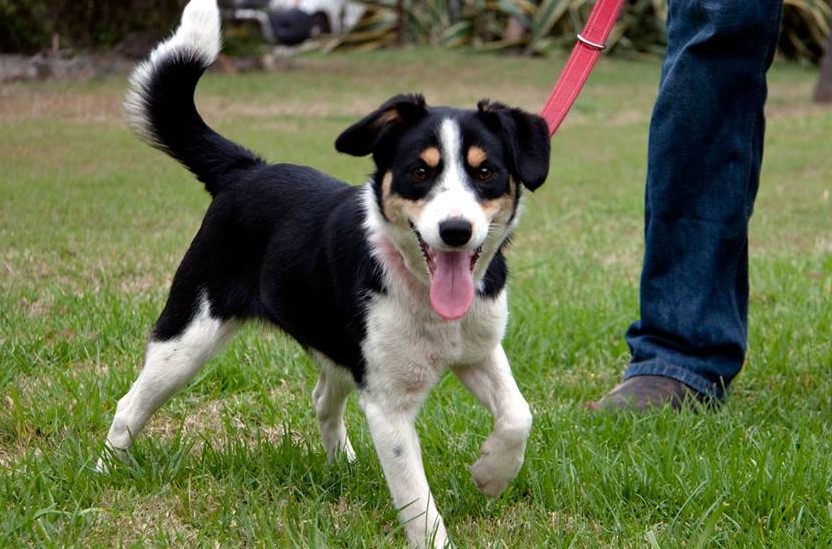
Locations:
(93, 223)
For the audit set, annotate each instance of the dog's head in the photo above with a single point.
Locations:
(448, 184)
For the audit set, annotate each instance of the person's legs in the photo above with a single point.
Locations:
(704, 156)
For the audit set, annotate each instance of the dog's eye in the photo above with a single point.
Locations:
(419, 173)
(484, 173)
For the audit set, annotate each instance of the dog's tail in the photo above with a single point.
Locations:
(160, 104)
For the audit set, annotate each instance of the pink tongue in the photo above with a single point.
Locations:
(452, 286)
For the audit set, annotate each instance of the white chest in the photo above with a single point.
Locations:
(408, 344)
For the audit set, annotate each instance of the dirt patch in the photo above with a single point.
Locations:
(20, 102)
(68, 66)
(60, 67)
(207, 422)
(792, 100)
(147, 516)
(450, 84)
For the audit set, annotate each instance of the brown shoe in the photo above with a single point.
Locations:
(640, 393)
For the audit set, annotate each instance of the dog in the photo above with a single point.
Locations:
(387, 285)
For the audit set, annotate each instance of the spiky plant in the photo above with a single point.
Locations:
(539, 26)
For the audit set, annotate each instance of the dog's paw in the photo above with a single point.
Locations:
(349, 452)
(341, 451)
(103, 465)
(109, 457)
(495, 469)
(344, 451)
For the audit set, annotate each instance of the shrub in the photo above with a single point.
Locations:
(22, 26)
(552, 24)
(28, 26)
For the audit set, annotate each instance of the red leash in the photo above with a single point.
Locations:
(591, 42)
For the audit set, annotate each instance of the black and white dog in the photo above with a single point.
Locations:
(387, 285)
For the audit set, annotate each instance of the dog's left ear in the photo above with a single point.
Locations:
(525, 135)
(400, 111)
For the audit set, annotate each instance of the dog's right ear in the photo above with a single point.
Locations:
(400, 111)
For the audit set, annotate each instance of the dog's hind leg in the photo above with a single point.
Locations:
(503, 451)
(170, 362)
(330, 400)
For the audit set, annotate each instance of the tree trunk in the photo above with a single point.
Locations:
(400, 30)
(823, 92)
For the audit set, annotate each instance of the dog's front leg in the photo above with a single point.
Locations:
(502, 452)
(392, 427)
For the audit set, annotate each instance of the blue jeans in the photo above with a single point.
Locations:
(704, 156)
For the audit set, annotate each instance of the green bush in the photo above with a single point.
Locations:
(27, 26)
(805, 28)
(552, 24)
(22, 27)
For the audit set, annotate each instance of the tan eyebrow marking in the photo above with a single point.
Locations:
(397, 209)
(430, 156)
(501, 210)
(476, 156)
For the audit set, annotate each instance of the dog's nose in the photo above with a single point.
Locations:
(455, 231)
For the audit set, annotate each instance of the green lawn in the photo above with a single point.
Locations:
(93, 223)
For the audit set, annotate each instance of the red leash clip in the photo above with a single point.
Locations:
(591, 42)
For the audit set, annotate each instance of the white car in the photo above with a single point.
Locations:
(290, 22)
(330, 16)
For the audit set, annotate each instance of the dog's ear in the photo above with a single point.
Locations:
(400, 111)
(526, 137)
